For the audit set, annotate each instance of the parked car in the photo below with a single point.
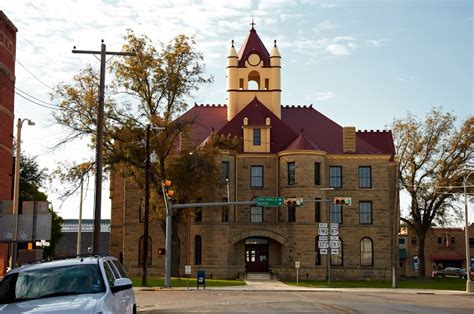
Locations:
(94, 284)
(450, 272)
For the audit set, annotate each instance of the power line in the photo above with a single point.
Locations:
(36, 103)
(24, 67)
(37, 99)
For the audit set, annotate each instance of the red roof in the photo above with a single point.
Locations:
(281, 135)
(253, 44)
(320, 132)
(206, 118)
(302, 143)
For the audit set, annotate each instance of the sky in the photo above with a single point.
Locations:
(361, 63)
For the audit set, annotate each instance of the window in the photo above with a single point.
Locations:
(453, 240)
(198, 214)
(141, 211)
(471, 242)
(317, 173)
(256, 214)
(257, 136)
(241, 83)
(197, 250)
(317, 210)
(267, 84)
(291, 213)
(224, 171)
(335, 177)
(366, 252)
(337, 259)
(225, 211)
(335, 213)
(140, 250)
(317, 254)
(440, 240)
(413, 240)
(401, 241)
(256, 176)
(291, 173)
(365, 213)
(365, 177)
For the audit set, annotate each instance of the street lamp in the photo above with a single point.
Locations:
(150, 158)
(16, 190)
(469, 285)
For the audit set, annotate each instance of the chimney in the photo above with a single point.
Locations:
(349, 139)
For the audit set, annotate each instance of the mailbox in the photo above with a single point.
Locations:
(201, 279)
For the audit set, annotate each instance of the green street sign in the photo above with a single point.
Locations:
(269, 201)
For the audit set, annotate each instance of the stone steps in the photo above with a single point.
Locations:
(258, 276)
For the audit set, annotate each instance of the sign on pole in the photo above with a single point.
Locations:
(269, 201)
(323, 251)
(297, 264)
(323, 229)
(187, 270)
(334, 251)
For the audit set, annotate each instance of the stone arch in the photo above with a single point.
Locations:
(254, 76)
(257, 233)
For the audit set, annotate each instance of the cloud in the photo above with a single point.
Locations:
(328, 5)
(377, 43)
(322, 96)
(338, 50)
(324, 26)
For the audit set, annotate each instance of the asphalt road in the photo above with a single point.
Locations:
(302, 302)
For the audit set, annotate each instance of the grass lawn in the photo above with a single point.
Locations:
(416, 283)
(181, 282)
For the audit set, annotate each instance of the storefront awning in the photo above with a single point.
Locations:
(402, 254)
(447, 257)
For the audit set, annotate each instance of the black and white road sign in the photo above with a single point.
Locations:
(323, 229)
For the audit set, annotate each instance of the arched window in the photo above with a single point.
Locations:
(254, 81)
(440, 240)
(366, 252)
(337, 259)
(140, 250)
(453, 240)
(197, 250)
(317, 254)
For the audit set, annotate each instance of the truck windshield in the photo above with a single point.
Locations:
(51, 282)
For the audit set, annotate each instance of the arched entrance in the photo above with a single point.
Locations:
(256, 255)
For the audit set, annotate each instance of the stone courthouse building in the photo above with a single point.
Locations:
(288, 151)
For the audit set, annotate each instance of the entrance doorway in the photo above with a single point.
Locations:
(256, 255)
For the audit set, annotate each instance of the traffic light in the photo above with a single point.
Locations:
(167, 190)
(343, 201)
(293, 201)
(161, 251)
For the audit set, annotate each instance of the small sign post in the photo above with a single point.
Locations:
(297, 266)
(187, 272)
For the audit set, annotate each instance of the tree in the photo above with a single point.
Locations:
(434, 155)
(32, 177)
(154, 86)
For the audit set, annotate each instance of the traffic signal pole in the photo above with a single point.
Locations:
(169, 207)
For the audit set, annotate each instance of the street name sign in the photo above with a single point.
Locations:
(269, 201)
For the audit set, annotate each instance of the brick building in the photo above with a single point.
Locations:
(444, 247)
(7, 92)
(288, 151)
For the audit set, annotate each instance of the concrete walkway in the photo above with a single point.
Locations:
(275, 285)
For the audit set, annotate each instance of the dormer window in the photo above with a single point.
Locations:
(257, 137)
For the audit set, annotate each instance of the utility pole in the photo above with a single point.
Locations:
(100, 138)
(147, 208)
(79, 224)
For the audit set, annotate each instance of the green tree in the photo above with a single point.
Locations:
(434, 155)
(32, 178)
(153, 87)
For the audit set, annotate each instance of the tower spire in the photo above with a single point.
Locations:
(253, 23)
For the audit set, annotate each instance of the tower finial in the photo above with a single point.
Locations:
(232, 43)
(274, 43)
(253, 23)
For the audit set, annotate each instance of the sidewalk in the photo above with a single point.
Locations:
(275, 285)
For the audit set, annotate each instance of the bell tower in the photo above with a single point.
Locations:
(253, 72)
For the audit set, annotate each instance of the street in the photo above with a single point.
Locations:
(300, 301)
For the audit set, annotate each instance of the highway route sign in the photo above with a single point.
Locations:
(269, 201)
